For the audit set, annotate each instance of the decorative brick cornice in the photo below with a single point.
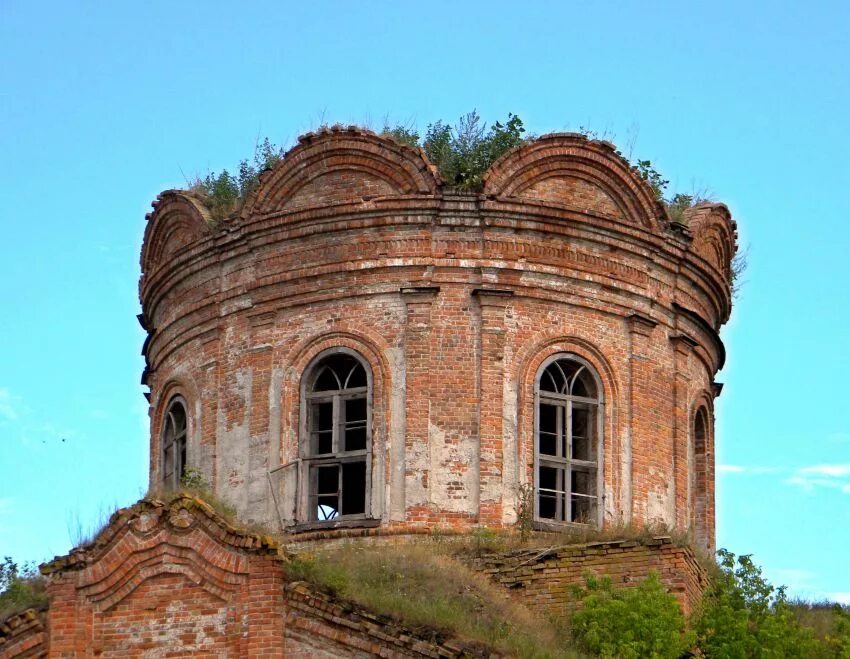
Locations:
(683, 342)
(179, 219)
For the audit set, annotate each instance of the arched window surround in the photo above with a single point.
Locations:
(174, 442)
(701, 434)
(310, 509)
(597, 403)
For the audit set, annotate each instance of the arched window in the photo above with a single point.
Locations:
(174, 444)
(567, 442)
(699, 480)
(337, 445)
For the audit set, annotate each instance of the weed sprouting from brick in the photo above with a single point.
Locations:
(462, 153)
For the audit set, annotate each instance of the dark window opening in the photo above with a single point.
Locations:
(338, 426)
(699, 479)
(174, 432)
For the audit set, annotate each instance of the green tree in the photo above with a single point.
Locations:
(744, 616)
(21, 587)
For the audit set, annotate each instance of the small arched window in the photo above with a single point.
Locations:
(699, 481)
(174, 444)
(337, 445)
(567, 442)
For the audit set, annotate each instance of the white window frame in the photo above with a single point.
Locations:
(565, 402)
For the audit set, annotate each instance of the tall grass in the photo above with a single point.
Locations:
(423, 586)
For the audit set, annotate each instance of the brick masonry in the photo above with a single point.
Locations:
(454, 300)
(543, 579)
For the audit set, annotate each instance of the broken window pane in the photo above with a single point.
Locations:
(327, 480)
(548, 440)
(327, 381)
(356, 378)
(551, 496)
(583, 385)
(168, 462)
(354, 488)
(323, 428)
(338, 426)
(584, 448)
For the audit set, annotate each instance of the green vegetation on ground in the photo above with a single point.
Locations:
(630, 623)
(427, 585)
(424, 587)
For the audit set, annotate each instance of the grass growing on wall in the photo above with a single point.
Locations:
(421, 585)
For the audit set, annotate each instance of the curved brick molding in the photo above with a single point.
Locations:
(167, 576)
(453, 301)
(569, 170)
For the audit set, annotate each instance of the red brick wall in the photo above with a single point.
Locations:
(167, 577)
(173, 578)
(543, 579)
(353, 241)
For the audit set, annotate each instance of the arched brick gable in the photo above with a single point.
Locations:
(179, 571)
(178, 220)
(569, 169)
(714, 235)
(341, 166)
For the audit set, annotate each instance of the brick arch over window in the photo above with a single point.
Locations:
(371, 350)
(531, 361)
(702, 441)
(178, 220)
(569, 169)
(173, 390)
(341, 166)
(336, 437)
(569, 419)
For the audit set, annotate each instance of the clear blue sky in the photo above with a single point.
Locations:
(102, 105)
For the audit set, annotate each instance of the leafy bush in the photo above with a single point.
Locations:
(644, 621)
(21, 587)
(225, 192)
(463, 153)
(743, 615)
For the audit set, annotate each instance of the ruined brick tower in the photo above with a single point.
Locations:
(364, 346)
